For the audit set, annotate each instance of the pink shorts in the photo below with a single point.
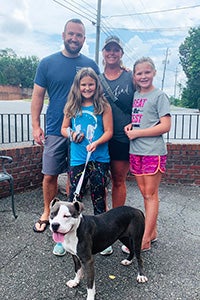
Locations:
(147, 165)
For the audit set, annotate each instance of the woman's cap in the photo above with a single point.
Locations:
(113, 39)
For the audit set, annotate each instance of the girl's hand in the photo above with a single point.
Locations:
(91, 147)
(77, 137)
(128, 128)
(132, 134)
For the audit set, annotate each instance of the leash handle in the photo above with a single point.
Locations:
(80, 182)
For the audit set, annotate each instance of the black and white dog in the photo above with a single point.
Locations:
(83, 236)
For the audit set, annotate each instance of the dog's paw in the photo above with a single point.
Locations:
(72, 283)
(126, 262)
(141, 278)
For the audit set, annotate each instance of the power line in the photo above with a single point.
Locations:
(154, 29)
(90, 13)
(89, 6)
(131, 15)
(84, 15)
(103, 27)
(165, 65)
(150, 19)
(108, 30)
(153, 12)
(84, 10)
(144, 34)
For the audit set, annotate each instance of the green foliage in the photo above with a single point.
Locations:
(17, 70)
(189, 52)
(175, 101)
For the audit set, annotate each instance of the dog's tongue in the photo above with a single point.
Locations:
(58, 237)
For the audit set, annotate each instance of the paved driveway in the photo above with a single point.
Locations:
(29, 270)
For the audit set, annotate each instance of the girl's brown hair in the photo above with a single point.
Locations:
(74, 100)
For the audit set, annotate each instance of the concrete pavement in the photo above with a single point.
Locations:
(29, 270)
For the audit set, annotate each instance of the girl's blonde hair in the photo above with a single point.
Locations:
(144, 60)
(74, 100)
(140, 61)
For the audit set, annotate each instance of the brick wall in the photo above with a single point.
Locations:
(183, 167)
(9, 92)
(25, 168)
(183, 164)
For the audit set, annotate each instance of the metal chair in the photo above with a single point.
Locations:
(5, 176)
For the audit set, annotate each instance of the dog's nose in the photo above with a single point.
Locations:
(55, 226)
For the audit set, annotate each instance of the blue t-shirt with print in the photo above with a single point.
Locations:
(92, 127)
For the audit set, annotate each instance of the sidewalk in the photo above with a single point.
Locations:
(29, 270)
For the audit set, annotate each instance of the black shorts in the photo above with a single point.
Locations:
(118, 150)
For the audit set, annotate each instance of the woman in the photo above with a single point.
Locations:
(119, 89)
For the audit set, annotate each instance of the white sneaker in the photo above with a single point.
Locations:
(125, 249)
(107, 251)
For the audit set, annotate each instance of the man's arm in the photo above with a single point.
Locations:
(36, 108)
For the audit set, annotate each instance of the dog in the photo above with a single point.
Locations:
(85, 235)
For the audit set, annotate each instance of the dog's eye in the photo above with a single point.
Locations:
(52, 215)
(66, 216)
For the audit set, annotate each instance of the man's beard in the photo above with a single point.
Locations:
(72, 51)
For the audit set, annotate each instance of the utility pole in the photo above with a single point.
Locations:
(98, 32)
(175, 83)
(165, 64)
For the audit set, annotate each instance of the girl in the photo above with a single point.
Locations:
(89, 124)
(150, 120)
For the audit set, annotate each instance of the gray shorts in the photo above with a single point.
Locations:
(54, 161)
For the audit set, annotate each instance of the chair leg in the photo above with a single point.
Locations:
(12, 197)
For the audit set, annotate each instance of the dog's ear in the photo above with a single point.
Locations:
(54, 201)
(78, 206)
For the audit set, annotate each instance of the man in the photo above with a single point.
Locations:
(55, 75)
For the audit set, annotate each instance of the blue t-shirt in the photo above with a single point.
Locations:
(92, 127)
(56, 73)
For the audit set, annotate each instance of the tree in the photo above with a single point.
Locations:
(189, 52)
(27, 66)
(17, 70)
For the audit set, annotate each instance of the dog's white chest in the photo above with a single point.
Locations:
(70, 243)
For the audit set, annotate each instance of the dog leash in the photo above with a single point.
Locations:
(80, 182)
(80, 136)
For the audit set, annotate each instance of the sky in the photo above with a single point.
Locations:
(146, 28)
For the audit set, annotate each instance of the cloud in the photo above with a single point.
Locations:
(14, 20)
(35, 27)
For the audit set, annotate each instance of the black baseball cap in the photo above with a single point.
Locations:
(113, 39)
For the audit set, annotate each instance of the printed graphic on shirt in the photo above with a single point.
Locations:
(121, 90)
(137, 111)
(86, 123)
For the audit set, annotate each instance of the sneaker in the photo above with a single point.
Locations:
(59, 250)
(125, 249)
(107, 251)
